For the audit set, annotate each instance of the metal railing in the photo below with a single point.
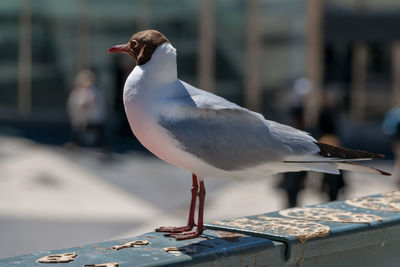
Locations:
(356, 232)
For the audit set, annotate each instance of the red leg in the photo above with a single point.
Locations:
(200, 226)
(191, 224)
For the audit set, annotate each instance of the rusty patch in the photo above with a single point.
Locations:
(301, 229)
(394, 194)
(229, 236)
(329, 215)
(109, 264)
(179, 251)
(387, 202)
(137, 243)
(58, 258)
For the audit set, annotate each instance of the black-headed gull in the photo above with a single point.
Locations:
(210, 136)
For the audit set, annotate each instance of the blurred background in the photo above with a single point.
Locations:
(71, 171)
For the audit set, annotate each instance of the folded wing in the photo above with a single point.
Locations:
(229, 137)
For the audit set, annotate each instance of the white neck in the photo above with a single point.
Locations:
(159, 70)
(162, 65)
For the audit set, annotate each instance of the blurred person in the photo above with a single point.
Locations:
(391, 127)
(293, 182)
(86, 111)
(331, 183)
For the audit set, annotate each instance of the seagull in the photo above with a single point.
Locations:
(209, 136)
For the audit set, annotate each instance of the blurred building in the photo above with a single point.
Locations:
(250, 52)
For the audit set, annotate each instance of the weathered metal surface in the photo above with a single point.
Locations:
(57, 258)
(282, 227)
(389, 202)
(338, 226)
(136, 243)
(213, 246)
(329, 215)
(358, 232)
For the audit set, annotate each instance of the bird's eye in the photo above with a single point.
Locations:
(134, 43)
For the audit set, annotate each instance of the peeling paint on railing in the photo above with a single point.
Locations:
(358, 232)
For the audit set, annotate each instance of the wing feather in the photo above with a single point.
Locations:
(230, 137)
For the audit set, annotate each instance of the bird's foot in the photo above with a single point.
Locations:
(186, 235)
(172, 229)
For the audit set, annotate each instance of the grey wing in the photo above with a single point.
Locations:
(233, 138)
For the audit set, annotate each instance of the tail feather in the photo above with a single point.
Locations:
(351, 166)
(331, 158)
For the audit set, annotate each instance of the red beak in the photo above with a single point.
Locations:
(119, 49)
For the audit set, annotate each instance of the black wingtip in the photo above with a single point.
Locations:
(385, 173)
(330, 151)
(353, 166)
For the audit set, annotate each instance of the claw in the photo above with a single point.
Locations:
(185, 235)
(172, 229)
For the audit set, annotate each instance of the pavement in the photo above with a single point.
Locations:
(54, 197)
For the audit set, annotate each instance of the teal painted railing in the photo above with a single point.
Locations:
(357, 232)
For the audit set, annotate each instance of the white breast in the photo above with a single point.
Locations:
(144, 125)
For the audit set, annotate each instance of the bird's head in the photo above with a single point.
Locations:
(141, 45)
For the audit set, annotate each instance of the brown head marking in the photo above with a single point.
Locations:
(141, 45)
